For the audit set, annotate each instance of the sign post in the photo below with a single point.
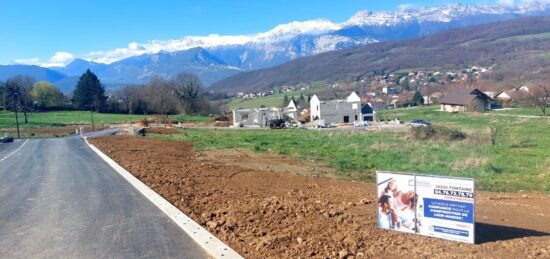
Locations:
(435, 206)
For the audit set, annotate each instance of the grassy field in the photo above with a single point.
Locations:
(520, 160)
(522, 111)
(67, 118)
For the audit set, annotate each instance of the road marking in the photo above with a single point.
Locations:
(202, 237)
(15, 151)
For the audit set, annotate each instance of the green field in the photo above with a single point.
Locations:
(520, 160)
(522, 111)
(68, 118)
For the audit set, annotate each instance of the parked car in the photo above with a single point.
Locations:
(6, 139)
(419, 123)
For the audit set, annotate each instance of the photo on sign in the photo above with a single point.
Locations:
(396, 202)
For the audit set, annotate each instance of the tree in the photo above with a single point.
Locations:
(496, 129)
(302, 99)
(285, 100)
(18, 95)
(131, 99)
(160, 97)
(417, 99)
(188, 89)
(540, 97)
(3, 95)
(89, 93)
(46, 95)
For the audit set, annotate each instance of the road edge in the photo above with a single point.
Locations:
(200, 235)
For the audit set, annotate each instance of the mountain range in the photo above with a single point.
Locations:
(514, 50)
(216, 57)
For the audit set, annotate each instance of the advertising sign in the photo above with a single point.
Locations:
(435, 206)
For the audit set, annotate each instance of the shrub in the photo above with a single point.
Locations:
(437, 133)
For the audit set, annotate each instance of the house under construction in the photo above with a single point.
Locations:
(260, 117)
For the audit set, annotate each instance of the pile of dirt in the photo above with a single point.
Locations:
(265, 214)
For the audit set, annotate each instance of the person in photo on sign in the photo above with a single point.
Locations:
(389, 191)
(390, 188)
(404, 208)
(386, 215)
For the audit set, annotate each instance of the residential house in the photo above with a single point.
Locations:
(466, 100)
(291, 110)
(335, 111)
(505, 98)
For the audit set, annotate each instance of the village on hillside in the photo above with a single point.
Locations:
(456, 94)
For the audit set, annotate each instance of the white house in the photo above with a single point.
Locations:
(291, 110)
(255, 117)
(261, 116)
(334, 111)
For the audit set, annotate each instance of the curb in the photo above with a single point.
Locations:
(200, 235)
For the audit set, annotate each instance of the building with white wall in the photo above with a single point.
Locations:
(335, 111)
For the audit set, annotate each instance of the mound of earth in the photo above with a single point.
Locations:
(270, 214)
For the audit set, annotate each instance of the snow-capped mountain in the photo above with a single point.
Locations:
(225, 55)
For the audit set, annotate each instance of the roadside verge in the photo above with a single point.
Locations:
(201, 236)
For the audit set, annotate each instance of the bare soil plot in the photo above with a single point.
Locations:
(264, 213)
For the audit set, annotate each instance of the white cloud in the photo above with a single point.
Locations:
(59, 59)
(27, 61)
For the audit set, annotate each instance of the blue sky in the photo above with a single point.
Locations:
(37, 29)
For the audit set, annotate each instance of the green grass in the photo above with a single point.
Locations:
(190, 118)
(520, 160)
(522, 111)
(67, 118)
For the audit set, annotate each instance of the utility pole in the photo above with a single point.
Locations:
(92, 114)
(17, 125)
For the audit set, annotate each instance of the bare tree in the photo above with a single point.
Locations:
(130, 96)
(160, 97)
(188, 88)
(540, 96)
(19, 96)
(496, 130)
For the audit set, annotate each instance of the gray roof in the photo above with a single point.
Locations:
(463, 96)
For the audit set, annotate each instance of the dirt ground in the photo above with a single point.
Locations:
(268, 207)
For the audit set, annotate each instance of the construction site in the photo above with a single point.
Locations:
(268, 206)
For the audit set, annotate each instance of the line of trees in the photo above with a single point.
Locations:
(20, 94)
(181, 94)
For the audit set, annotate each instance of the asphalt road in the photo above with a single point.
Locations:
(58, 199)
